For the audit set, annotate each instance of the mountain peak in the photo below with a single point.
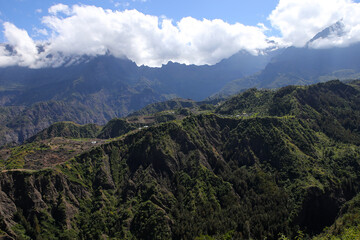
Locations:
(337, 29)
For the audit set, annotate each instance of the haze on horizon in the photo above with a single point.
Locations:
(69, 30)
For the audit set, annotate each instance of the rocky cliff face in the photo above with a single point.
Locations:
(26, 196)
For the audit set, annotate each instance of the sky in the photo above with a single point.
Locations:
(154, 32)
(27, 14)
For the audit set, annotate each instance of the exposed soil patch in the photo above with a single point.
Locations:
(45, 153)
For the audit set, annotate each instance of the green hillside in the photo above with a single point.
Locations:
(332, 107)
(266, 165)
(67, 129)
(173, 104)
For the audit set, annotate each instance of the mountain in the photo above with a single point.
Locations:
(199, 82)
(150, 115)
(265, 164)
(24, 86)
(173, 104)
(17, 123)
(337, 29)
(68, 130)
(304, 66)
(329, 106)
(95, 90)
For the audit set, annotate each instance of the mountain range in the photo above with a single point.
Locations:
(264, 164)
(253, 147)
(97, 89)
(305, 65)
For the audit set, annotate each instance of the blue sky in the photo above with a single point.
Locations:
(154, 32)
(25, 14)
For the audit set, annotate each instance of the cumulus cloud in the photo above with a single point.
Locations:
(5, 57)
(73, 31)
(59, 8)
(24, 51)
(299, 21)
(145, 39)
(41, 31)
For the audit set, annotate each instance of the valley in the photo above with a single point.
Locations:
(183, 120)
(264, 163)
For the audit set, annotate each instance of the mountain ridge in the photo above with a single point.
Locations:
(96, 90)
(208, 175)
(304, 65)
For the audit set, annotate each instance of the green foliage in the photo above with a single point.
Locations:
(59, 211)
(251, 101)
(150, 222)
(68, 130)
(116, 127)
(283, 173)
(164, 117)
(331, 107)
(173, 104)
(16, 158)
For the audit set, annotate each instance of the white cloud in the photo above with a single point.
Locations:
(122, 4)
(299, 21)
(41, 31)
(145, 39)
(24, 47)
(59, 8)
(151, 40)
(5, 58)
(39, 10)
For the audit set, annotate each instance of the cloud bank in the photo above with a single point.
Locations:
(23, 46)
(299, 21)
(144, 39)
(73, 31)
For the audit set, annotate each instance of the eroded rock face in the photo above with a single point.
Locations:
(103, 177)
(7, 210)
(29, 194)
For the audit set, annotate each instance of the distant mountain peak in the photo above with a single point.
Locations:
(337, 29)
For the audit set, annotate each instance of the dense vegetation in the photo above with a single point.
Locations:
(173, 104)
(331, 107)
(67, 129)
(267, 164)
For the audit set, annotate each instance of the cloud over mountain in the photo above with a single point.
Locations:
(23, 47)
(299, 21)
(145, 39)
(77, 30)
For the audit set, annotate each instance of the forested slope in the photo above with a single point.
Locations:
(278, 170)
